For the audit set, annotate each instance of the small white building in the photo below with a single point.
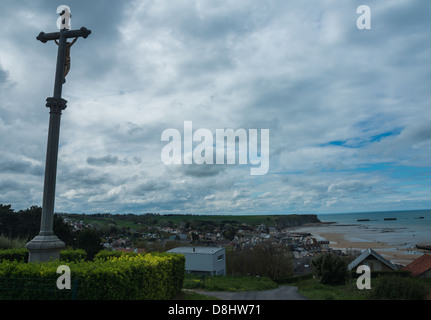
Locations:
(204, 260)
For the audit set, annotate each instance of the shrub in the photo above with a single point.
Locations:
(328, 268)
(263, 259)
(107, 254)
(73, 255)
(378, 274)
(22, 255)
(27, 281)
(398, 288)
(136, 277)
(8, 243)
(90, 241)
(14, 254)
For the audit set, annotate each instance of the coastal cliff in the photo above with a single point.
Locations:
(295, 220)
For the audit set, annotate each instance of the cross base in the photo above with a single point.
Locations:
(44, 248)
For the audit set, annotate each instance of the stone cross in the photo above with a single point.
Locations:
(47, 245)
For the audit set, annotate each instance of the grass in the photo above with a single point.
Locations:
(7, 243)
(228, 283)
(313, 290)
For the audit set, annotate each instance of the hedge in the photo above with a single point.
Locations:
(75, 255)
(14, 254)
(107, 254)
(153, 276)
(398, 288)
(22, 255)
(378, 274)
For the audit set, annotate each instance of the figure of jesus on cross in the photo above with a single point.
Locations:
(60, 38)
(67, 62)
(46, 245)
(63, 22)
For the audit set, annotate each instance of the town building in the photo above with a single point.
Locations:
(203, 260)
(421, 267)
(373, 260)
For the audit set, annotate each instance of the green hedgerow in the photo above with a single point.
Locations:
(127, 277)
(14, 254)
(75, 255)
(398, 288)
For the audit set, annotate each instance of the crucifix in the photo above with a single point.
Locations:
(47, 245)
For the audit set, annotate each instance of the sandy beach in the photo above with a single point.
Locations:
(394, 245)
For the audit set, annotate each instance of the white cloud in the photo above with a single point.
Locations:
(348, 110)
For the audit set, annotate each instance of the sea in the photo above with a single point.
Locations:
(400, 228)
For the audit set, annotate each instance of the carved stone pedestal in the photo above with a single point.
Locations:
(44, 248)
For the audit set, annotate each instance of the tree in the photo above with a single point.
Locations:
(8, 220)
(264, 259)
(29, 221)
(22, 224)
(195, 237)
(89, 240)
(329, 268)
(63, 230)
(4, 209)
(229, 232)
(25, 224)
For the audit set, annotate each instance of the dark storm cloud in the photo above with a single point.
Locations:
(8, 185)
(202, 171)
(89, 177)
(102, 17)
(106, 160)
(3, 76)
(15, 165)
(149, 186)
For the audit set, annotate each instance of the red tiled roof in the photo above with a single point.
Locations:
(419, 266)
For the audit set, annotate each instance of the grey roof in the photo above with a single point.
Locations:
(196, 250)
(367, 253)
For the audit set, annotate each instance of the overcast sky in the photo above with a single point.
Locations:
(348, 110)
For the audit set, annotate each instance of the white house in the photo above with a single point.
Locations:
(204, 260)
